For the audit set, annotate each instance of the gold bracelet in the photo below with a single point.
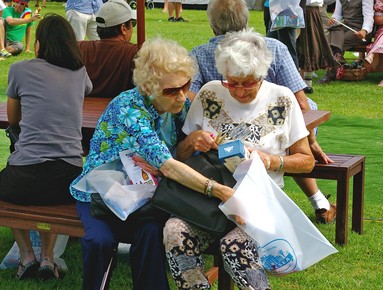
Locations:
(281, 164)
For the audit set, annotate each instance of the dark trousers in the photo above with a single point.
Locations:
(288, 37)
(101, 238)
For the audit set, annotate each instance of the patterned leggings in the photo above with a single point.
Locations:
(184, 244)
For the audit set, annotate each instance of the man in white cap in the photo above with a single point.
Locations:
(109, 61)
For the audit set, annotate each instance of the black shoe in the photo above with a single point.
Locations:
(27, 271)
(308, 90)
(180, 20)
(171, 19)
(328, 77)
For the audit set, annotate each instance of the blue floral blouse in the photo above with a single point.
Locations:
(129, 122)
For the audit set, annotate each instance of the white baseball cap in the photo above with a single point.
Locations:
(114, 12)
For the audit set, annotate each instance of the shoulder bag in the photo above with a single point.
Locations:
(192, 206)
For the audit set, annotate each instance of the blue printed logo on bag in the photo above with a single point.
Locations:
(278, 257)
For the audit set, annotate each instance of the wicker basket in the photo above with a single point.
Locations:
(355, 74)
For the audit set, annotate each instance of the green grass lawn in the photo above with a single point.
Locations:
(355, 128)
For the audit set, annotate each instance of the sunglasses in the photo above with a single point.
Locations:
(20, 2)
(170, 92)
(134, 22)
(246, 86)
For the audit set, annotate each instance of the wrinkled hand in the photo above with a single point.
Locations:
(238, 219)
(265, 158)
(146, 166)
(203, 141)
(318, 153)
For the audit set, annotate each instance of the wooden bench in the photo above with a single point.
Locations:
(343, 168)
(63, 219)
(58, 219)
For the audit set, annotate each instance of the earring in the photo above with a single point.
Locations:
(151, 97)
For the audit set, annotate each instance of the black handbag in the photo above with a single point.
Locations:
(146, 213)
(192, 206)
(100, 210)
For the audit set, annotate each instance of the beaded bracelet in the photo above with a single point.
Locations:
(280, 164)
(206, 185)
(209, 188)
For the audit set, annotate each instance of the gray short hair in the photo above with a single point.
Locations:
(156, 58)
(243, 53)
(227, 15)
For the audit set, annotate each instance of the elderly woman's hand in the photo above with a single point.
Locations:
(265, 158)
(146, 166)
(203, 141)
(239, 220)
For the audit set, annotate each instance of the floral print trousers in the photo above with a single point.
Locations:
(185, 243)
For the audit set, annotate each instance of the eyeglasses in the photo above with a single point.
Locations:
(134, 22)
(245, 86)
(170, 92)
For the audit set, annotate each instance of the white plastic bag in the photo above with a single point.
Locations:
(11, 260)
(125, 199)
(111, 182)
(287, 239)
(285, 13)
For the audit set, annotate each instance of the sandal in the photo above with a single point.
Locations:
(48, 271)
(27, 271)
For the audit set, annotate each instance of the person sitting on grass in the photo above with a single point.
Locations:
(16, 23)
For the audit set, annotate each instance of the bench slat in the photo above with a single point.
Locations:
(59, 219)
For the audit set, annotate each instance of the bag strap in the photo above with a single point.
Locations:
(227, 177)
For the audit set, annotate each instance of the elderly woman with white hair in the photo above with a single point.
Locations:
(143, 120)
(275, 129)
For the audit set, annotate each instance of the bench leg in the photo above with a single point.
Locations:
(224, 280)
(342, 211)
(358, 201)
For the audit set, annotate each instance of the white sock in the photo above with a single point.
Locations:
(318, 200)
(308, 78)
